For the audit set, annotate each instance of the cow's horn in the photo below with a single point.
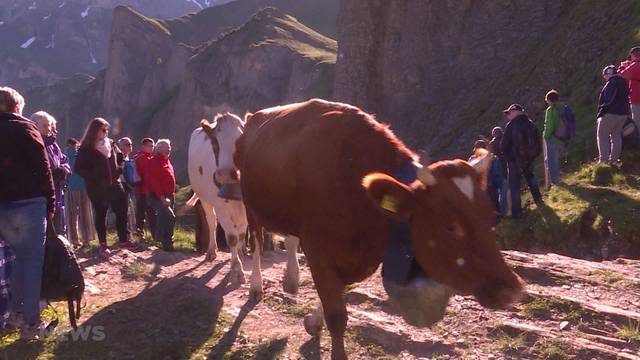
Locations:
(426, 176)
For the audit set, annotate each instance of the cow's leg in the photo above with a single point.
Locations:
(292, 273)
(255, 291)
(330, 289)
(237, 272)
(212, 221)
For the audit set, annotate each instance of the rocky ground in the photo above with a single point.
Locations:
(155, 305)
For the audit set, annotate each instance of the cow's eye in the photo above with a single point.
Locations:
(455, 229)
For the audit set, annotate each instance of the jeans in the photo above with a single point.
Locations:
(23, 227)
(143, 210)
(116, 199)
(502, 197)
(6, 261)
(610, 137)
(635, 113)
(552, 160)
(166, 220)
(516, 171)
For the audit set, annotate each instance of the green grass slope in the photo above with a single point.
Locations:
(593, 213)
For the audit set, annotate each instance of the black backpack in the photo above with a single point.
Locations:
(528, 145)
(62, 277)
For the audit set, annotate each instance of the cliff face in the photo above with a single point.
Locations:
(155, 85)
(273, 59)
(441, 71)
(144, 63)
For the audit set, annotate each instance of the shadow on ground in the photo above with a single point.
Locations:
(145, 327)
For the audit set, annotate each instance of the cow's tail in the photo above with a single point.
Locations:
(188, 205)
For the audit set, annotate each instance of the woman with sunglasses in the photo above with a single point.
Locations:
(99, 163)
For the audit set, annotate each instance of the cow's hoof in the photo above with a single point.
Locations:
(256, 295)
(290, 282)
(237, 277)
(313, 325)
(211, 256)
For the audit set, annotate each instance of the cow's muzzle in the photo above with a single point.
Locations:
(228, 183)
(499, 294)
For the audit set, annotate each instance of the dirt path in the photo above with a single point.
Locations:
(155, 305)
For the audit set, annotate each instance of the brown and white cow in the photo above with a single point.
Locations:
(210, 165)
(322, 171)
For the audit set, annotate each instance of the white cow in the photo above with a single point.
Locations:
(211, 151)
(210, 163)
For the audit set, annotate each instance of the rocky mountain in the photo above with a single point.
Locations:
(272, 59)
(47, 40)
(156, 85)
(441, 71)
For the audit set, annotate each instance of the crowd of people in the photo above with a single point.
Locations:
(45, 192)
(516, 147)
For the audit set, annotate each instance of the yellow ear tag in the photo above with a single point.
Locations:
(389, 203)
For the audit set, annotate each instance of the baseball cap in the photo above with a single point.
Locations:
(610, 70)
(513, 107)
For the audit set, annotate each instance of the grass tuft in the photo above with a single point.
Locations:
(608, 276)
(270, 349)
(136, 270)
(630, 332)
(511, 344)
(551, 350)
(288, 306)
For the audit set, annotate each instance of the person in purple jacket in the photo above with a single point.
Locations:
(58, 163)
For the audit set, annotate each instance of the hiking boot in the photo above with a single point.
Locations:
(32, 332)
(104, 250)
(127, 245)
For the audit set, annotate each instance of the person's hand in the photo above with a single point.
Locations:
(59, 175)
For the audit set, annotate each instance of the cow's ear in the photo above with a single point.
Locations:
(392, 197)
(482, 164)
(207, 126)
(247, 116)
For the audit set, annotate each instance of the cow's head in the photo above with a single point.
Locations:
(223, 132)
(452, 227)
